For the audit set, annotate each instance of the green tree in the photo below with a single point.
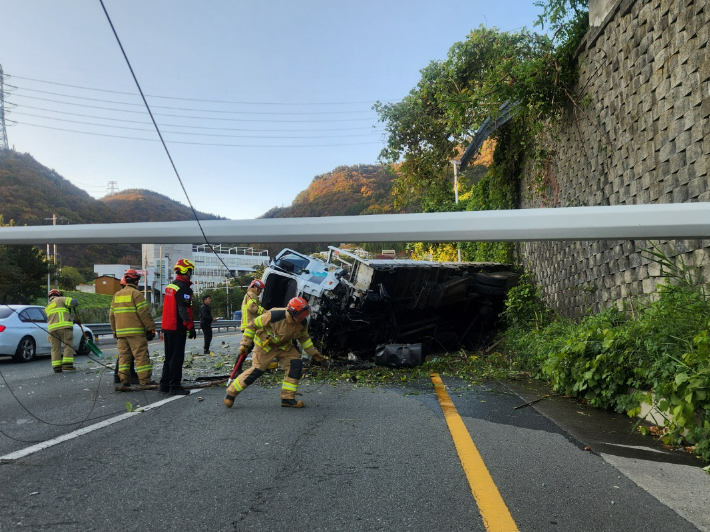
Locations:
(24, 274)
(69, 277)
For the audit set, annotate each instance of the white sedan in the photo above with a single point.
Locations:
(24, 333)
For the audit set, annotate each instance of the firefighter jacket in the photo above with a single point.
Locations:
(250, 308)
(275, 329)
(130, 313)
(58, 312)
(177, 306)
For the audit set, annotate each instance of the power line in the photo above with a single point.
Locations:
(200, 134)
(273, 146)
(196, 99)
(191, 109)
(184, 116)
(22, 106)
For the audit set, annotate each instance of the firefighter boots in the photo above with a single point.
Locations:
(230, 397)
(68, 367)
(292, 403)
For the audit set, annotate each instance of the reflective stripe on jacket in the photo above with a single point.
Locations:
(275, 329)
(250, 308)
(177, 305)
(130, 313)
(58, 313)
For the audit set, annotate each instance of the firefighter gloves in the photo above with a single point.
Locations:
(150, 335)
(243, 350)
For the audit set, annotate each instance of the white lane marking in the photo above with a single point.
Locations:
(639, 447)
(80, 432)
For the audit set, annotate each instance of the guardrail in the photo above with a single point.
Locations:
(104, 329)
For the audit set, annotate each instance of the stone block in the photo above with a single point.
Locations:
(630, 275)
(677, 162)
(666, 150)
(683, 175)
(642, 272)
(680, 194)
(648, 286)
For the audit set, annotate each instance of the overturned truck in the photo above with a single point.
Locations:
(357, 304)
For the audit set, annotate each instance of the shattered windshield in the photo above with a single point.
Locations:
(292, 263)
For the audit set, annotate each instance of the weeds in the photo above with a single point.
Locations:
(662, 348)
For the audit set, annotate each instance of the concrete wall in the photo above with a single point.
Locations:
(640, 133)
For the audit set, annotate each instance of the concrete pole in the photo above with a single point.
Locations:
(456, 195)
(161, 261)
(145, 272)
(54, 257)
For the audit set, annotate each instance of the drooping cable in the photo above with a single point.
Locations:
(165, 146)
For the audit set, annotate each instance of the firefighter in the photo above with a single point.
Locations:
(177, 326)
(134, 375)
(251, 309)
(133, 326)
(273, 333)
(61, 330)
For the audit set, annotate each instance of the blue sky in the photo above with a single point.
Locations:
(298, 68)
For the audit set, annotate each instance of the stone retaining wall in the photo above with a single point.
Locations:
(640, 133)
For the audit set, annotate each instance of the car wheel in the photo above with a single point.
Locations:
(26, 350)
(83, 350)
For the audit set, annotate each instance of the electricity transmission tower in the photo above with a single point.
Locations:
(112, 187)
(3, 132)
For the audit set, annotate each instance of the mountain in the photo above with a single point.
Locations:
(347, 190)
(30, 193)
(140, 205)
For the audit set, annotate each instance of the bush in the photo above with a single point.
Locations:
(661, 347)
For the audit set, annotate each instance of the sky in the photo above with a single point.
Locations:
(254, 98)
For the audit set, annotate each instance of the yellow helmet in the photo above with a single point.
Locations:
(183, 266)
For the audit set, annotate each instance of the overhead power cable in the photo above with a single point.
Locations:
(195, 110)
(201, 134)
(22, 106)
(8, 76)
(201, 143)
(186, 116)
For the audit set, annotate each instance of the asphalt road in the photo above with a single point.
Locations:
(355, 459)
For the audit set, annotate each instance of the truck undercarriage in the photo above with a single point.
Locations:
(357, 304)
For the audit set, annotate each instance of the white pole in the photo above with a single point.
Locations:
(456, 195)
(54, 257)
(162, 272)
(145, 272)
(49, 270)
(662, 221)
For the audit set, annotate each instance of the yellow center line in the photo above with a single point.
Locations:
(494, 512)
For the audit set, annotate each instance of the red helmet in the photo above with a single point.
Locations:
(131, 276)
(257, 283)
(183, 266)
(298, 308)
(123, 281)
(54, 293)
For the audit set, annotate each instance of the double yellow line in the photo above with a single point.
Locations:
(494, 512)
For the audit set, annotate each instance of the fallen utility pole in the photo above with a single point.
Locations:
(620, 222)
